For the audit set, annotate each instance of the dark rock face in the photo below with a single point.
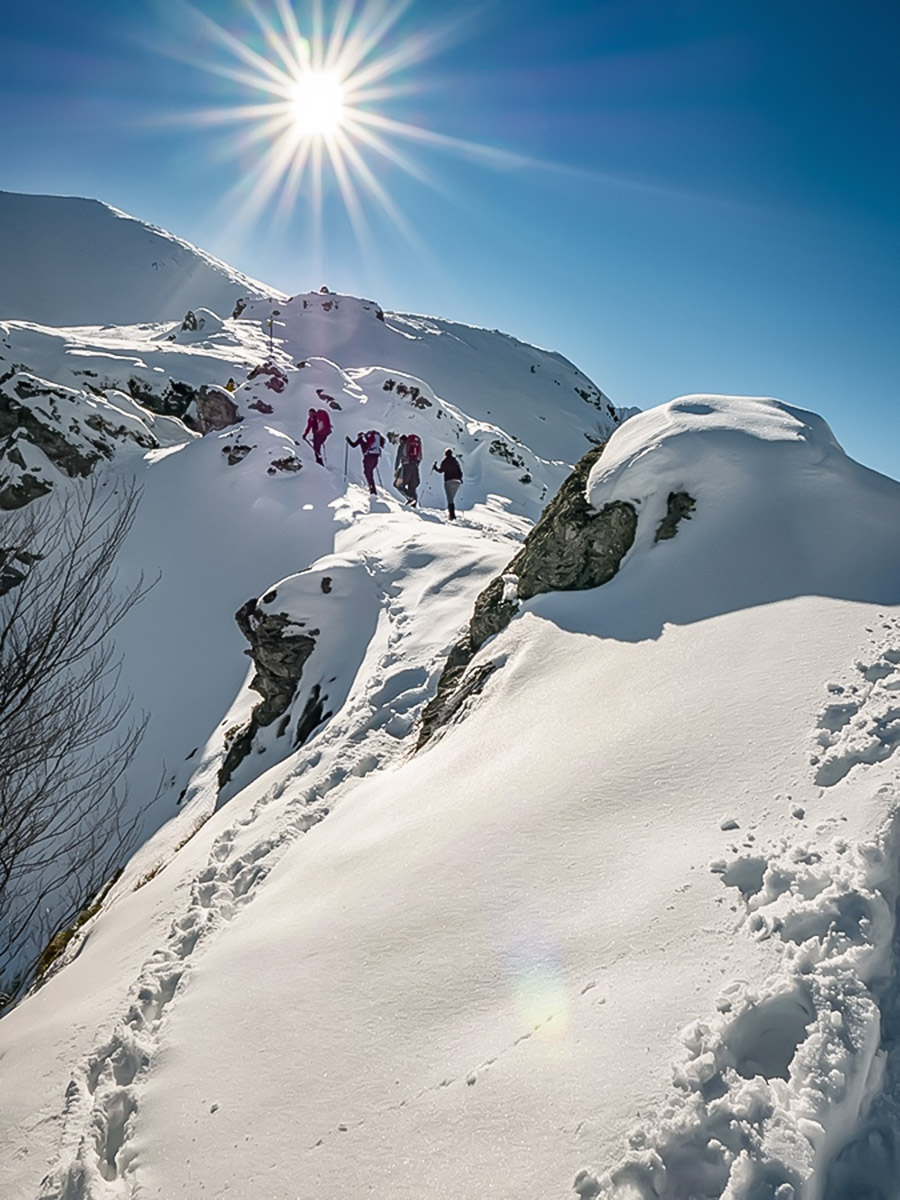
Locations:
(174, 400)
(279, 650)
(215, 409)
(279, 656)
(73, 436)
(572, 547)
(679, 508)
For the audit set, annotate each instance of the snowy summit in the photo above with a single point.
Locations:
(547, 851)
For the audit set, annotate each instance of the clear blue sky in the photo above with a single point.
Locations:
(689, 195)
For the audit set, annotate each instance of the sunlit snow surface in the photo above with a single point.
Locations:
(625, 929)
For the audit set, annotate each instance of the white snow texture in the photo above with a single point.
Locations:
(627, 929)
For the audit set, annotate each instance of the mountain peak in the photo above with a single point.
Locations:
(72, 261)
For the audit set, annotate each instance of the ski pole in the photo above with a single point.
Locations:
(346, 452)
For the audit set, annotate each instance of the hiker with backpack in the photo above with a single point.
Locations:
(371, 444)
(319, 425)
(400, 461)
(451, 469)
(409, 456)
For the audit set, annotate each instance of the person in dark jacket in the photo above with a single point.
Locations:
(400, 460)
(451, 470)
(371, 444)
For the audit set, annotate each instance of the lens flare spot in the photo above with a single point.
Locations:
(541, 1001)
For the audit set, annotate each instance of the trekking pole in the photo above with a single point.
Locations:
(346, 452)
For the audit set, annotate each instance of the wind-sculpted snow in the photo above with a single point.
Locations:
(780, 511)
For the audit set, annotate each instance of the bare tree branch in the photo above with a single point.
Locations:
(66, 737)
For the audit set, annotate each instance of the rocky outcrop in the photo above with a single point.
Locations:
(72, 429)
(678, 508)
(279, 647)
(21, 425)
(572, 547)
(214, 409)
(173, 401)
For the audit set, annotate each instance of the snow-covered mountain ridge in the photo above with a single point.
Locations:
(625, 929)
(70, 261)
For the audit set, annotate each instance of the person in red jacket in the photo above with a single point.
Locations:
(319, 425)
(451, 469)
(371, 444)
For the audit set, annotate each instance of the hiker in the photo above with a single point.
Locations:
(451, 469)
(319, 425)
(400, 461)
(371, 445)
(406, 467)
(230, 385)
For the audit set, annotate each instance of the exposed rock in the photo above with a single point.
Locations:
(214, 409)
(236, 453)
(21, 491)
(22, 424)
(680, 507)
(173, 401)
(279, 651)
(279, 655)
(72, 429)
(502, 450)
(572, 547)
(14, 565)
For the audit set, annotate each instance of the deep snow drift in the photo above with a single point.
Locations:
(624, 929)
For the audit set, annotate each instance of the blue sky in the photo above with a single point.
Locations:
(680, 196)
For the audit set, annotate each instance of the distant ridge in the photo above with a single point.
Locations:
(72, 261)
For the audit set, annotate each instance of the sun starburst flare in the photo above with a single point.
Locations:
(309, 114)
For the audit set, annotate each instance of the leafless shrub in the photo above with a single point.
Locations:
(66, 737)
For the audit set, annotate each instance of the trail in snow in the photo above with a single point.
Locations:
(102, 1103)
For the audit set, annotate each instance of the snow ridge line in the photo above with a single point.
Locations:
(103, 1099)
(792, 1091)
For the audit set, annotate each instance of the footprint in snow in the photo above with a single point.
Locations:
(861, 723)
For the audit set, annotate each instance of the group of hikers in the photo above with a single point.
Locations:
(406, 461)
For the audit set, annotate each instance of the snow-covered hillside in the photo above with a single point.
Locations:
(223, 517)
(625, 927)
(68, 261)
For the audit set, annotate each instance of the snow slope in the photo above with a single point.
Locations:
(69, 261)
(216, 528)
(625, 928)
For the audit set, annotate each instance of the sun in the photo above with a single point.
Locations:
(308, 115)
(317, 104)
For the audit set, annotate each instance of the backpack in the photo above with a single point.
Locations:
(323, 422)
(372, 442)
(414, 448)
